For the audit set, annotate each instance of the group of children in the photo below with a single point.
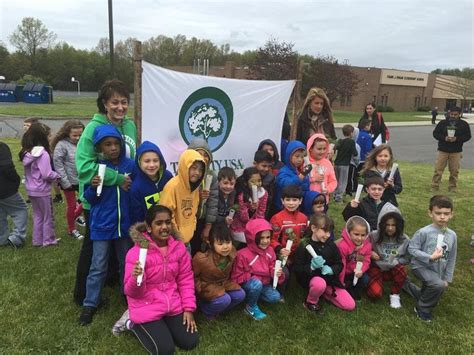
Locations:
(213, 240)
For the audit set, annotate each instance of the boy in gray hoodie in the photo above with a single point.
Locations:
(433, 249)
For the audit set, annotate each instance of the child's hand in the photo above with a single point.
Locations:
(284, 252)
(253, 206)
(229, 220)
(317, 262)
(95, 181)
(137, 269)
(318, 177)
(358, 274)
(189, 322)
(354, 203)
(205, 233)
(126, 184)
(437, 254)
(446, 283)
(375, 256)
(388, 183)
(203, 194)
(327, 270)
(279, 272)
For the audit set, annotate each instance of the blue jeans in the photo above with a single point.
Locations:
(255, 291)
(15, 207)
(99, 265)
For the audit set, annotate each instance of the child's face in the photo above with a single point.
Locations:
(226, 186)
(265, 238)
(317, 105)
(204, 156)
(291, 203)
(264, 167)
(375, 191)
(441, 216)
(358, 234)
(196, 171)
(75, 134)
(150, 164)
(268, 148)
(318, 208)
(383, 158)
(26, 125)
(110, 147)
(319, 235)
(390, 227)
(256, 180)
(318, 150)
(160, 227)
(223, 248)
(297, 158)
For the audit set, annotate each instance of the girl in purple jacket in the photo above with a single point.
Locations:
(161, 308)
(39, 176)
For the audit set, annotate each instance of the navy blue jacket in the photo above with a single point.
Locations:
(365, 142)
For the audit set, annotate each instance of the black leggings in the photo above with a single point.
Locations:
(160, 336)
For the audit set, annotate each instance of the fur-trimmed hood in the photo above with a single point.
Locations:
(138, 233)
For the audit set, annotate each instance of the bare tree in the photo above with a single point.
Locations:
(275, 61)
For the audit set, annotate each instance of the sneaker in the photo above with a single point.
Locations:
(86, 315)
(395, 301)
(424, 316)
(76, 234)
(58, 199)
(121, 325)
(80, 221)
(434, 188)
(255, 312)
(312, 307)
(452, 190)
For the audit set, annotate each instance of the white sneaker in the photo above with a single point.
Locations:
(121, 325)
(395, 301)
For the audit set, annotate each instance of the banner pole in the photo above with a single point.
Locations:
(137, 88)
(296, 98)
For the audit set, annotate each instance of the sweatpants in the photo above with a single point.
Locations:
(342, 173)
(73, 209)
(43, 221)
(428, 296)
(336, 295)
(352, 179)
(15, 207)
(161, 336)
(221, 304)
(377, 277)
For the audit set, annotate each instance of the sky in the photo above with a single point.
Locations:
(419, 35)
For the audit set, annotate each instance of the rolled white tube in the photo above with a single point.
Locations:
(289, 244)
(142, 259)
(207, 183)
(101, 173)
(231, 213)
(310, 250)
(358, 192)
(393, 170)
(320, 169)
(439, 241)
(254, 193)
(451, 132)
(357, 269)
(275, 277)
(306, 161)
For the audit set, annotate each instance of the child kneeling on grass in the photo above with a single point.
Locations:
(321, 274)
(216, 292)
(254, 268)
(161, 308)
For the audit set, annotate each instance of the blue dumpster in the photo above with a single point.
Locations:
(37, 93)
(11, 92)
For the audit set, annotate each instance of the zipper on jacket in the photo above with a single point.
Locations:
(119, 214)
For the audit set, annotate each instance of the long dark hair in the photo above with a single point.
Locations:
(399, 226)
(242, 184)
(153, 211)
(36, 135)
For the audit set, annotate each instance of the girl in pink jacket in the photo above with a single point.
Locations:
(254, 268)
(161, 308)
(322, 177)
(356, 250)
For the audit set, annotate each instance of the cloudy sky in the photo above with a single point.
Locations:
(417, 35)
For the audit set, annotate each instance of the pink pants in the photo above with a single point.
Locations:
(73, 210)
(338, 297)
(43, 221)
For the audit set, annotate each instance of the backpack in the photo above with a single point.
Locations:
(387, 133)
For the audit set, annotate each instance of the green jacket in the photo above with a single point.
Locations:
(86, 155)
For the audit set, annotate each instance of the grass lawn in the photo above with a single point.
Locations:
(353, 117)
(38, 315)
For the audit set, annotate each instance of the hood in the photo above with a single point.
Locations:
(307, 207)
(108, 130)
(389, 209)
(290, 149)
(253, 227)
(345, 234)
(200, 143)
(5, 156)
(147, 146)
(310, 142)
(276, 156)
(100, 118)
(187, 159)
(30, 157)
(355, 135)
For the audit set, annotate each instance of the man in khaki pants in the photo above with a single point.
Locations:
(451, 135)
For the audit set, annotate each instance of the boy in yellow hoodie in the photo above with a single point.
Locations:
(181, 193)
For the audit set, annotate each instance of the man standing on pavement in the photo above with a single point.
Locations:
(451, 135)
(434, 114)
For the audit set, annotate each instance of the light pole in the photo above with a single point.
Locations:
(78, 85)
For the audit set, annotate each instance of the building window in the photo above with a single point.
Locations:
(424, 102)
(375, 99)
(349, 101)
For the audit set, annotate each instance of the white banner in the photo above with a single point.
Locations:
(234, 116)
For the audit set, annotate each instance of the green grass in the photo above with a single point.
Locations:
(353, 117)
(38, 316)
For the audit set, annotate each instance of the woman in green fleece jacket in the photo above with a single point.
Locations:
(112, 103)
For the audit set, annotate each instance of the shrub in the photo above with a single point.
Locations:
(424, 109)
(385, 109)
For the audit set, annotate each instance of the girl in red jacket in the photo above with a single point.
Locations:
(254, 268)
(161, 308)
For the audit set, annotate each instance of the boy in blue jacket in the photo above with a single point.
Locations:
(109, 216)
(151, 177)
(364, 140)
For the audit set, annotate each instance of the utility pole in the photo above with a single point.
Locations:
(111, 39)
